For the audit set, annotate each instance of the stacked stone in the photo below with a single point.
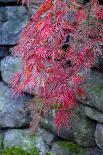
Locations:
(14, 119)
(86, 121)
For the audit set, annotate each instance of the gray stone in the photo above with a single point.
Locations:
(12, 21)
(1, 140)
(69, 148)
(82, 1)
(99, 58)
(6, 1)
(94, 90)
(81, 129)
(4, 51)
(94, 114)
(9, 65)
(40, 144)
(21, 138)
(94, 151)
(99, 135)
(12, 110)
(58, 150)
(47, 136)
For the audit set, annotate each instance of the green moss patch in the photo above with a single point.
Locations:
(48, 153)
(18, 151)
(98, 89)
(71, 147)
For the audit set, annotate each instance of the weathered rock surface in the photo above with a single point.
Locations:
(12, 21)
(58, 150)
(94, 90)
(94, 114)
(81, 129)
(9, 65)
(68, 148)
(47, 136)
(94, 151)
(99, 135)
(22, 138)
(12, 110)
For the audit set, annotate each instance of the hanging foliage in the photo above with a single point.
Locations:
(58, 46)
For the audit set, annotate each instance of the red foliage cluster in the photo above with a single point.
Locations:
(57, 47)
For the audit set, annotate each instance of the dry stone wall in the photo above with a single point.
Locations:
(85, 135)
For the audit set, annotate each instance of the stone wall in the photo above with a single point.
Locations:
(85, 135)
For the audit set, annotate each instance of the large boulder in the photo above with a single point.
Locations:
(94, 114)
(81, 129)
(99, 135)
(12, 110)
(22, 138)
(12, 20)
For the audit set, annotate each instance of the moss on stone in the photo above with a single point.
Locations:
(18, 151)
(71, 147)
(48, 153)
(98, 89)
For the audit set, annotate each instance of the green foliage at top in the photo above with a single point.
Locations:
(18, 151)
(71, 147)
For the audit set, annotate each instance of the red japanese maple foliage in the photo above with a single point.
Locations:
(57, 47)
